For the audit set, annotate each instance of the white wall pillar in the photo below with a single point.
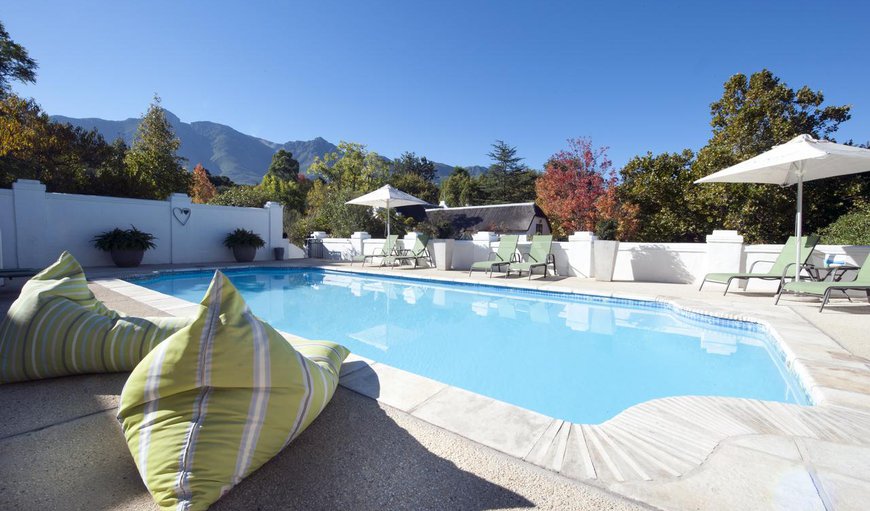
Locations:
(180, 214)
(724, 252)
(358, 242)
(275, 211)
(580, 253)
(30, 226)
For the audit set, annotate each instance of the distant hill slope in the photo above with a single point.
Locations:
(225, 151)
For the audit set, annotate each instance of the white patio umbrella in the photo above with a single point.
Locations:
(387, 197)
(802, 158)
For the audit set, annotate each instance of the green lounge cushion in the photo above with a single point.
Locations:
(215, 401)
(486, 265)
(57, 327)
(722, 278)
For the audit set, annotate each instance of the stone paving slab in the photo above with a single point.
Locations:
(405, 391)
(504, 427)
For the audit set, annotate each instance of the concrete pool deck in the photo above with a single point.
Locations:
(676, 453)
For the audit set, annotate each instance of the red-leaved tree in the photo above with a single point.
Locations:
(572, 182)
(201, 188)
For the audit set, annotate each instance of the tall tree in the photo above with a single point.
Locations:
(662, 188)
(63, 157)
(572, 182)
(284, 182)
(506, 179)
(410, 163)
(347, 173)
(201, 188)
(15, 63)
(284, 166)
(416, 185)
(351, 167)
(460, 189)
(153, 161)
(754, 114)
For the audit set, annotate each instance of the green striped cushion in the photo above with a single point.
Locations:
(57, 327)
(219, 398)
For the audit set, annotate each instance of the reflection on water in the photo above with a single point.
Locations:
(568, 357)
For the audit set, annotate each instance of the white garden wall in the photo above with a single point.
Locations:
(686, 263)
(35, 227)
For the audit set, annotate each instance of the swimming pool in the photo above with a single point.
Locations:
(573, 357)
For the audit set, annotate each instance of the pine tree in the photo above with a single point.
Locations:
(507, 180)
(152, 161)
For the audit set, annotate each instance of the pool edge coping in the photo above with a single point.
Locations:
(549, 442)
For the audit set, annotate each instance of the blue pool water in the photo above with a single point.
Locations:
(582, 359)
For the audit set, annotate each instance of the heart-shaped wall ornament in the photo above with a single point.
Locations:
(181, 214)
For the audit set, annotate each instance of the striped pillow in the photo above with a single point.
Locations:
(219, 398)
(57, 327)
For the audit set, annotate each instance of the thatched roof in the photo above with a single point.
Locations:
(498, 217)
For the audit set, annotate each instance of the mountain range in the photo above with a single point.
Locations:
(225, 151)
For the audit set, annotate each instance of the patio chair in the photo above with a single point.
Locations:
(420, 251)
(507, 250)
(539, 256)
(824, 288)
(779, 271)
(387, 249)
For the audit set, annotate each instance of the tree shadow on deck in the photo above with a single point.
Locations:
(354, 456)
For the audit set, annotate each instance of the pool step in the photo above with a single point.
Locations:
(667, 438)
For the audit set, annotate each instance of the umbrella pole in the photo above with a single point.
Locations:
(388, 218)
(798, 225)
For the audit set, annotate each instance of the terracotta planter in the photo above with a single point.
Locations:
(127, 258)
(244, 254)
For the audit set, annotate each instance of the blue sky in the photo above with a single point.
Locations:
(443, 79)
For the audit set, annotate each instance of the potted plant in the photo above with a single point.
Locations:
(126, 246)
(442, 235)
(604, 250)
(244, 244)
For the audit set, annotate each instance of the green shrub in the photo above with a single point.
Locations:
(853, 228)
(243, 197)
(243, 238)
(124, 239)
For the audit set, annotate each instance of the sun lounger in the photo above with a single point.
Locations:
(506, 254)
(420, 251)
(824, 288)
(781, 269)
(388, 248)
(539, 256)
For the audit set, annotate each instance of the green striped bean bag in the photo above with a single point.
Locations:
(219, 398)
(57, 327)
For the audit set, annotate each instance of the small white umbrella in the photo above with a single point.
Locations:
(802, 158)
(387, 197)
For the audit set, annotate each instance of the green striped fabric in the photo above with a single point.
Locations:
(219, 398)
(57, 327)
